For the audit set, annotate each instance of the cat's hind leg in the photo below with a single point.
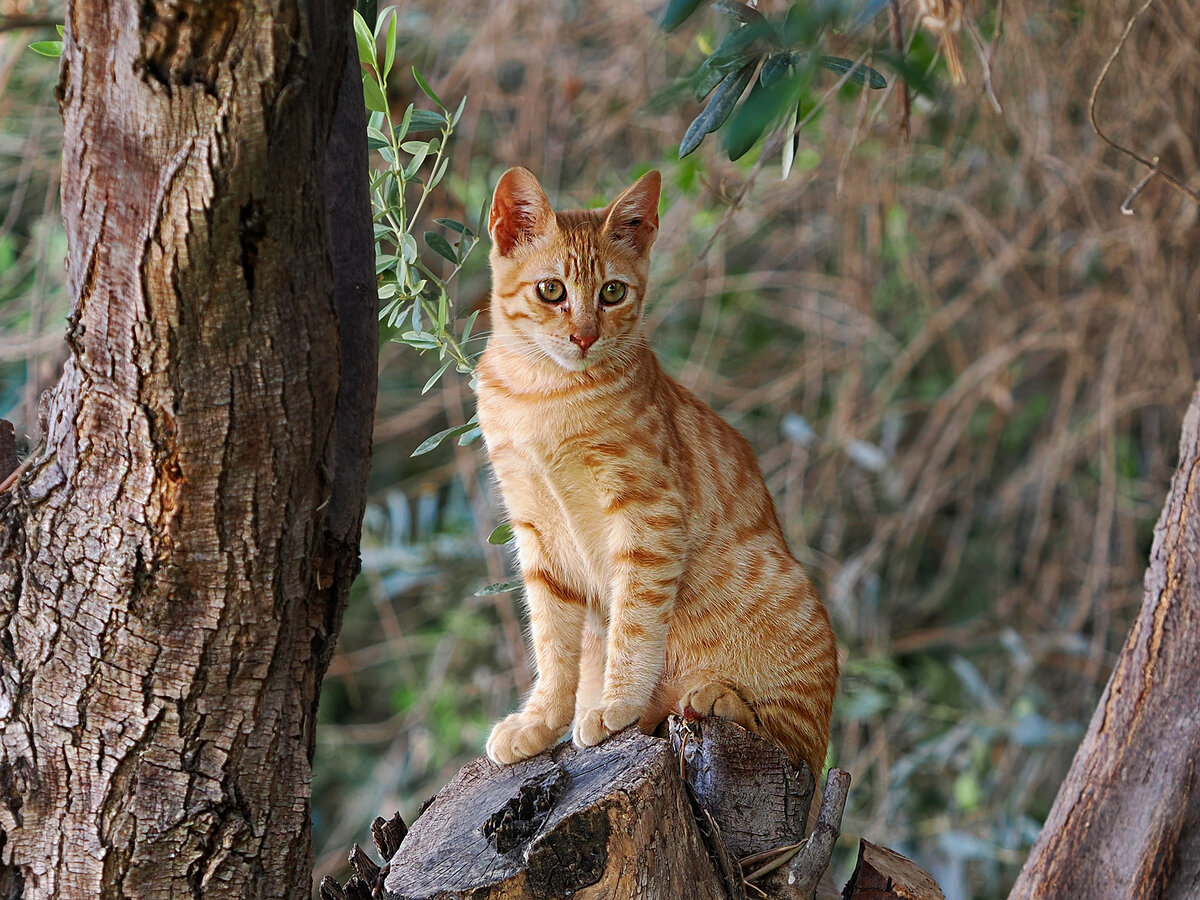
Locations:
(716, 698)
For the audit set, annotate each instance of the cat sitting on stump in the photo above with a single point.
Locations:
(657, 575)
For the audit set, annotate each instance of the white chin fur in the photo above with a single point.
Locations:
(571, 361)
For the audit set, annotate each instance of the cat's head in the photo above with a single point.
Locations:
(570, 285)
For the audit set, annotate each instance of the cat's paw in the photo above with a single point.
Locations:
(519, 737)
(601, 722)
(717, 699)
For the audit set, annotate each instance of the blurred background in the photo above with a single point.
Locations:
(962, 367)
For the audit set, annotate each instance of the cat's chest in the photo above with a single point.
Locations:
(556, 475)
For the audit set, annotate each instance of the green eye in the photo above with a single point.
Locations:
(551, 290)
(612, 293)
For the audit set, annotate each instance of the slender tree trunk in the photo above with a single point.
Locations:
(1126, 822)
(174, 566)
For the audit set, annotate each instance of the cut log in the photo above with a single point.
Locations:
(604, 822)
(631, 818)
(883, 874)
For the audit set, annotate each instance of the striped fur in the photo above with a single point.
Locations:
(655, 569)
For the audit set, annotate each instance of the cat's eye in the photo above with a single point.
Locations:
(613, 293)
(551, 290)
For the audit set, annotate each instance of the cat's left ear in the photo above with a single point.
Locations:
(632, 218)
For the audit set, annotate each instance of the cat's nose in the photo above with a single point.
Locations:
(584, 341)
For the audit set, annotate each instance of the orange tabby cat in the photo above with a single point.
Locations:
(656, 573)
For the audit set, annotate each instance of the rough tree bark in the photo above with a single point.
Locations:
(1126, 822)
(174, 565)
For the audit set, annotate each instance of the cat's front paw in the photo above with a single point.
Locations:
(519, 737)
(602, 722)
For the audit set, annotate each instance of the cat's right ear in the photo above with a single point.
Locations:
(520, 210)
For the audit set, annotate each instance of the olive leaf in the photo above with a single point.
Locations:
(718, 109)
(858, 72)
(501, 534)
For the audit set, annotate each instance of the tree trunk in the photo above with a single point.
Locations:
(1126, 822)
(174, 565)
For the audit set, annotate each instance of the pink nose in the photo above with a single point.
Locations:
(584, 341)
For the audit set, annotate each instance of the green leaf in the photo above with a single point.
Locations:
(443, 313)
(373, 94)
(468, 437)
(775, 68)
(466, 335)
(438, 173)
(416, 162)
(501, 534)
(425, 120)
(458, 112)
(500, 587)
(434, 378)
(380, 20)
(364, 39)
(431, 443)
(376, 138)
(402, 129)
(422, 340)
(408, 247)
(428, 91)
(51, 49)
(708, 76)
(440, 246)
(743, 40)
(389, 44)
(453, 225)
(858, 73)
(755, 114)
(678, 12)
(415, 147)
(718, 110)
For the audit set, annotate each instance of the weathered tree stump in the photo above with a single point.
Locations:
(603, 822)
(722, 817)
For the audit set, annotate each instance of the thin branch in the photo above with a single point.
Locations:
(15, 474)
(811, 862)
(987, 54)
(1139, 187)
(1150, 164)
(897, 29)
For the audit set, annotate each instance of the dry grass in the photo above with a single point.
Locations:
(963, 368)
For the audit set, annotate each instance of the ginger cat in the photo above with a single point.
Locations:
(656, 572)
